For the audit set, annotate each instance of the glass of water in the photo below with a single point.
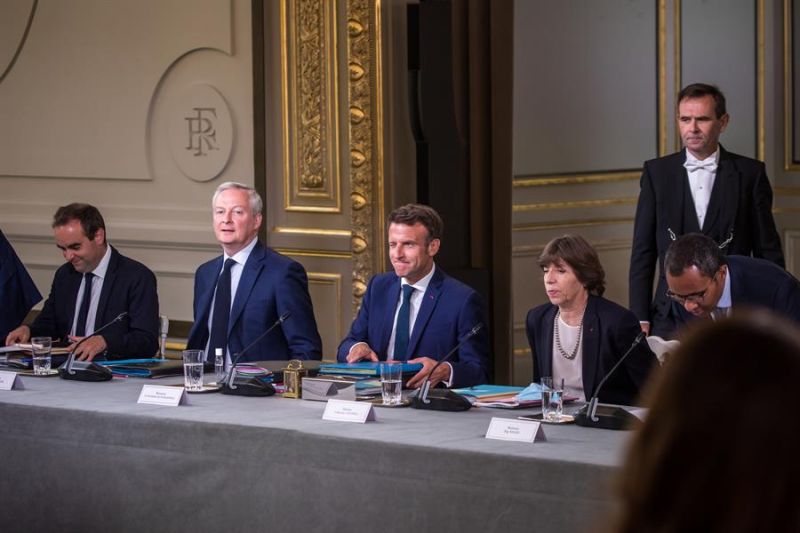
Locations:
(392, 382)
(552, 399)
(40, 348)
(193, 369)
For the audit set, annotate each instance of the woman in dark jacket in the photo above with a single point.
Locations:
(580, 335)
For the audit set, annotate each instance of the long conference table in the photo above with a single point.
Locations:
(86, 457)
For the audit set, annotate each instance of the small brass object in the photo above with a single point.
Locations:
(292, 378)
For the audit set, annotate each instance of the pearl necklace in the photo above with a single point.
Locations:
(563, 352)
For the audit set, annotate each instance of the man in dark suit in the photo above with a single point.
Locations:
(95, 286)
(703, 188)
(704, 283)
(243, 292)
(18, 293)
(418, 313)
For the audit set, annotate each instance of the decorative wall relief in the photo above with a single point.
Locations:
(200, 132)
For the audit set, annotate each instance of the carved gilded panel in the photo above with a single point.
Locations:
(310, 106)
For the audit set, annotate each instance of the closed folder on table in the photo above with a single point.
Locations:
(145, 368)
(364, 368)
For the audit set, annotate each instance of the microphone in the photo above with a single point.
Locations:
(87, 370)
(444, 399)
(608, 416)
(251, 385)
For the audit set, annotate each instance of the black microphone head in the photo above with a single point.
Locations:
(476, 329)
(121, 316)
(284, 316)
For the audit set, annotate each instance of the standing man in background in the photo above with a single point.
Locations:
(240, 294)
(701, 189)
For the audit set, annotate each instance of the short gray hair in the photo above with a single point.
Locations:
(256, 205)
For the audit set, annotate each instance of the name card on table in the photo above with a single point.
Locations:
(515, 430)
(10, 380)
(347, 411)
(163, 395)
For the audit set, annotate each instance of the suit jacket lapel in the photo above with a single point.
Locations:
(250, 272)
(545, 357)
(677, 206)
(429, 301)
(108, 287)
(591, 347)
(724, 200)
(74, 286)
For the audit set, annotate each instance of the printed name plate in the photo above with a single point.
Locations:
(515, 430)
(163, 395)
(10, 380)
(347, 411)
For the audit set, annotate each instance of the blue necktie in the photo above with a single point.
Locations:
(222, 310)
(83, 313)
(403, 325)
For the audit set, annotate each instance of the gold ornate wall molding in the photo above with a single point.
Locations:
(310, 105)
(790, 163)
(365, 140)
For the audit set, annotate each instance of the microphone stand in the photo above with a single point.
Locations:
(251, 386)
(87, 370)
(443, 399)
(609, 417)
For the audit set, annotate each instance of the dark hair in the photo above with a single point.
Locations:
(694, 250)
(718, 449)
(699, 90)
(410, 214)
(90, 218)
(581, 257)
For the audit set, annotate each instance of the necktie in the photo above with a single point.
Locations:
(222, 310)
(83, 313)
(403, 325)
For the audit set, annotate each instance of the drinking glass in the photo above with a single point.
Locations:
(42, 360)
(193, 369)
(552, 399)
(392, 382)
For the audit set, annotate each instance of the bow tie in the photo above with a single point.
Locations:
(691, 166)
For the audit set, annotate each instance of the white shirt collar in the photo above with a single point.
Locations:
(422, 284)
(725, 300)
(241, 256)
(102, 266)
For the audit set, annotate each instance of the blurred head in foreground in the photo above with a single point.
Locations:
(719, 448)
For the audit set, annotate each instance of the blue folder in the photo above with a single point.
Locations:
(364, 368)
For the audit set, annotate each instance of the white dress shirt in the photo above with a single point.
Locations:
(702, 175)
(94, 299)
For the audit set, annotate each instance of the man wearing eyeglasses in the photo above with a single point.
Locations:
(705, 283)
(701, 189)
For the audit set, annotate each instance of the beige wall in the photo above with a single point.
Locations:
(95, 110)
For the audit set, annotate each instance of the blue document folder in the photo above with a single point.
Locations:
(364, 368)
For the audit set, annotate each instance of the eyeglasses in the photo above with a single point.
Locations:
(695, 297)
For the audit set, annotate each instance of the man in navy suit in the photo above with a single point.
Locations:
(704, 283)
(701, 189)
(95, 286)
(242, 293)
(18, 293)
(418, 313)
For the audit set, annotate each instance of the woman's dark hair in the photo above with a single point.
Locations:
(581, 257)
